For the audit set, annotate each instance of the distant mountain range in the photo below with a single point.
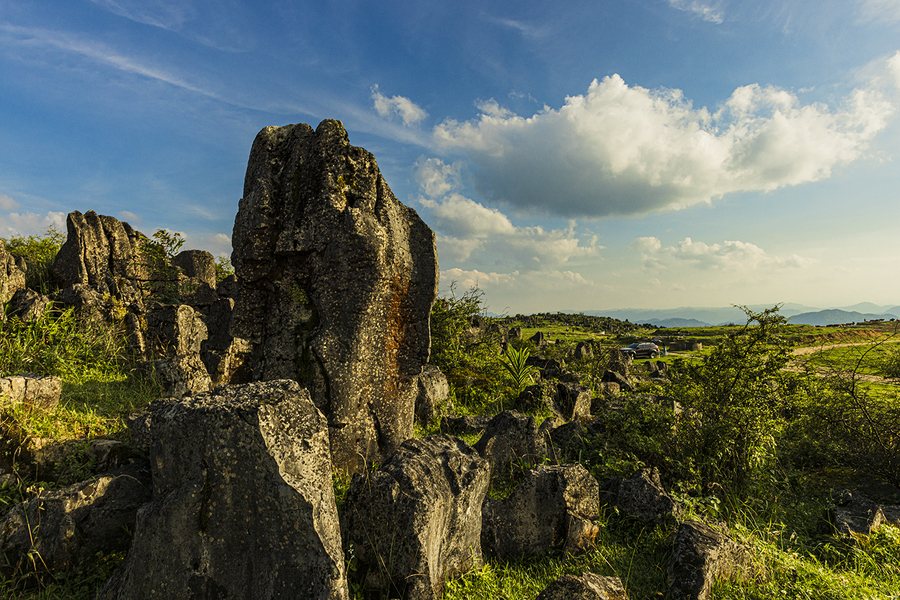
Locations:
(688, 316)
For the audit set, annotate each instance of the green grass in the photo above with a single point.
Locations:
(97, 396)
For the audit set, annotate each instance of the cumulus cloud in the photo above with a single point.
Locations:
(625, 150)
(708, 11)
(25, 224)
(7, 203)
(129, 217)
(434, 177)
(729, 255)
(547, 280)
(465, 226)
(397, 106)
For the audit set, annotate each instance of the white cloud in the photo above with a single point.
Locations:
(25, 224)
(707, 11)
(465, 227)
(7, 203)
(880, 10)
(621, 150)
(434, 177)
(130, 217)
(406, 109)
(734, 256)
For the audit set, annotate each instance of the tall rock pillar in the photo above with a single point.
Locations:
(337, 283)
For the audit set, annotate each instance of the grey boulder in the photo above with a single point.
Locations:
(553, 507)
(589, 586)
(416, 522)
(243, 504)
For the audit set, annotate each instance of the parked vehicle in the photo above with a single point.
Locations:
(642, 350)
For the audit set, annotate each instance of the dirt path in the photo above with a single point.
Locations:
(814, 349)
(824, 372)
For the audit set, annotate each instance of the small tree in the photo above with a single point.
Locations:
(165, 278)
(732, 402)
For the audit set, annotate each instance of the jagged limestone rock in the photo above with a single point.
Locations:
(101, 252)
(553, 507)
(337, 279)
(68, 527)
(243, 504)
(589, 586)
(12, 278)
(416, 521)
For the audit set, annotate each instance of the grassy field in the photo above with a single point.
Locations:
(776, 513)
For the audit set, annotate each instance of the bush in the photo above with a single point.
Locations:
(470, 358)
(733, 402)
(39, 252)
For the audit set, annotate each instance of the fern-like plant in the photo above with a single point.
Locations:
(515, 362)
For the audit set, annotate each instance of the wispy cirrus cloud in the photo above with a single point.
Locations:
(213, 23)
(707, 11)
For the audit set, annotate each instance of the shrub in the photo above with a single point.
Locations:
(157, 254)
(39, 252)
(733, 401)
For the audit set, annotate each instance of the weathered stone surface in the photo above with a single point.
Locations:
(198, 266)
(572, 401)
(243, 504)
(416, 522)
(69, 526)
(618, 379)
(433, 393)
(553, 507)
(31, 389)
(700, 555)
(853, 513)
(583, 351)
(27, 305)
(12, 278)
(511, 439)
(337, 280)
(173, 330)
(587, 587)
(641, 497)
(179, 375)
(101, 252)
(88, 304)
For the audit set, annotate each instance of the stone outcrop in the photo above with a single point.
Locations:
(337, 280)
(700, 555)
(589, 586)
(101, 252)
(853, 513)
(572, 401)
(69, 526)
(434, 390)
(243, 504)
(27, 305)
(12, 278)
(511, 439)
(553, 507)
(31, 389)
(416, 521)
(641, 497)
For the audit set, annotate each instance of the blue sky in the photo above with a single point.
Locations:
(569, 155)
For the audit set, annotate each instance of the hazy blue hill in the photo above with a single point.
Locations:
(706, 315)
(676, 322)
(836, 316)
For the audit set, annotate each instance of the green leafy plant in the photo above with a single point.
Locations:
(224, 268)
(39, 253)
(515, 362)
(165, 278)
